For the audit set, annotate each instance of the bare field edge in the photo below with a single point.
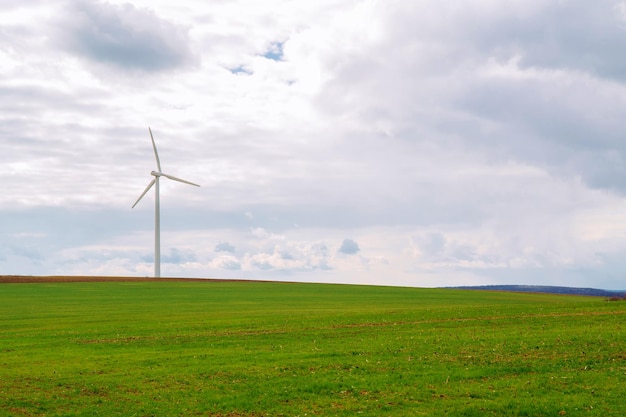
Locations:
(28, 279)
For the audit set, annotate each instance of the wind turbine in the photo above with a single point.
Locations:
(157, 210)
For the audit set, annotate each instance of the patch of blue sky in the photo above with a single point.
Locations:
(275, 51)
(240, 70)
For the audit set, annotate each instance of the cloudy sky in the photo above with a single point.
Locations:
(418, 143)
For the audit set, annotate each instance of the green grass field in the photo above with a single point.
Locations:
(185, 348)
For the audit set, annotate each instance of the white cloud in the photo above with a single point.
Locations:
(226, 262)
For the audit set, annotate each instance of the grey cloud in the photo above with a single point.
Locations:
(224, 247)
(574, 34)
(553, 127)
(263, 264)
(428, 81)
(228, 262)
(148, 258)
(21, 251)
(125, 37)
(435, 247)
(433, 244)
(177, 256)
(349, 247)
(320, 256)
(26, 99)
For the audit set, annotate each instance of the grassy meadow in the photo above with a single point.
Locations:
(202, 348)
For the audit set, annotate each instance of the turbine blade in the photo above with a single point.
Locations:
(156, 154)
(179, 179)
(145, 191)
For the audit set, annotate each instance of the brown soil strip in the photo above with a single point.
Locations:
(19, 279)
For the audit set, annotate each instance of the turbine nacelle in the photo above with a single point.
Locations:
(171, 177)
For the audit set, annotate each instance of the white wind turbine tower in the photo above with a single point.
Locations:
(157, 210)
